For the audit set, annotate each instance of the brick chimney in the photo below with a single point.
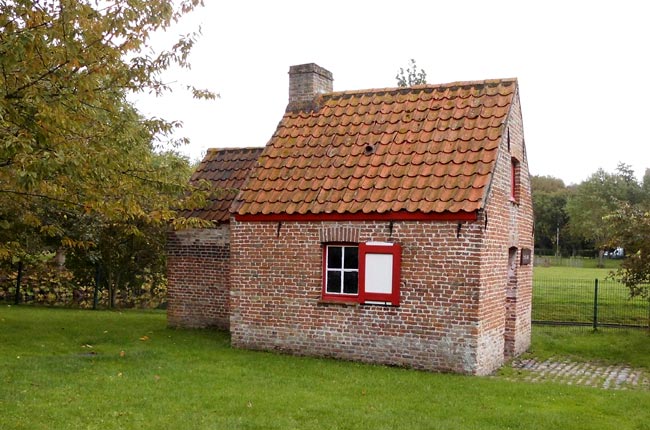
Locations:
(306, 82)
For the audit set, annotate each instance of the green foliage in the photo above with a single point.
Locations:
(46, 287)
(631, 230)
(606, 211)
(646, 186)
(623, 220)
(44, 284)
(82, 172)
(412, 76)
(547, 184)
(70, 369)
(597, 197)
(549, 202)
(578, 211)
(550, 197)
(73, 150)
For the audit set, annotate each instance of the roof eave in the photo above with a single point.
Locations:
(360, 216)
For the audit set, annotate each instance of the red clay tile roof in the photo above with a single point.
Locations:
(227, 170)
(427, 149)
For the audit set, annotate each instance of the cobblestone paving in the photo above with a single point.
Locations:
(615, 377)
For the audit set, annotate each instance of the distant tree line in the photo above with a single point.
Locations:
(602, 213)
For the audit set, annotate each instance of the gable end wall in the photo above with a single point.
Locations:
(506, 296)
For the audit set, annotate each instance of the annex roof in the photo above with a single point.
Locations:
(422, 149)
(227, 170)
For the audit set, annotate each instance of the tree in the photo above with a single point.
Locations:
(645, 185)
(598, 197)
(72, 146)
(549, 203)
(547, 184)
(412, 76)
(631, 230)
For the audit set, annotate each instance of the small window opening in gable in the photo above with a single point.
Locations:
(515, 180)
(367, 273)
(512, 263)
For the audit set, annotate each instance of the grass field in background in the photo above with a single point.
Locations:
(567, 294)
(566, 272)
(72, 369)
(578, 262)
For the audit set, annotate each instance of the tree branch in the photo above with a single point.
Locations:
(14, 94)
(42, 196)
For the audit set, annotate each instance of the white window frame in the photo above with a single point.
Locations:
(341, 270)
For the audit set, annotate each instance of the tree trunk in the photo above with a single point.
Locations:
(114, 287)
(96, 289)
(601, 255)
(59, 259)
(18, 280)
(111, 289)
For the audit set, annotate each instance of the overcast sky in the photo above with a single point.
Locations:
(582, 66)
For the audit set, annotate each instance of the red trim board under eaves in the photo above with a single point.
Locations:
(360, 216)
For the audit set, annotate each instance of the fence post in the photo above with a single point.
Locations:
(595, 304)
(96, 289)
(19, 278)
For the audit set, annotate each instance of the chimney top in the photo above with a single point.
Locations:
(306, 82)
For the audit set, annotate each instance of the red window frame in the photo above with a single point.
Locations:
(368, 249)
(363, 296)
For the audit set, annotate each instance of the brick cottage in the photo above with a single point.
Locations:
(389, 226)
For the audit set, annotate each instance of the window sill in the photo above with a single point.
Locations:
(380, 304)
(329, 302)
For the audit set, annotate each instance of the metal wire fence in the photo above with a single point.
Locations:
(588, 303)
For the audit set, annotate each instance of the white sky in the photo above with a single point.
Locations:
(583, 68)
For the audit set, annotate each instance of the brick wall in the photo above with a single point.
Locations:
(277, 281)
(507, 291)
(198, 271)
(522, 221)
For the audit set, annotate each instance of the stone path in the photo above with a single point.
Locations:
(614, 377)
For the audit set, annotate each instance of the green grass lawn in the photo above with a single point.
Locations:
(70, 369)
(567, 294)
(605, 346)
